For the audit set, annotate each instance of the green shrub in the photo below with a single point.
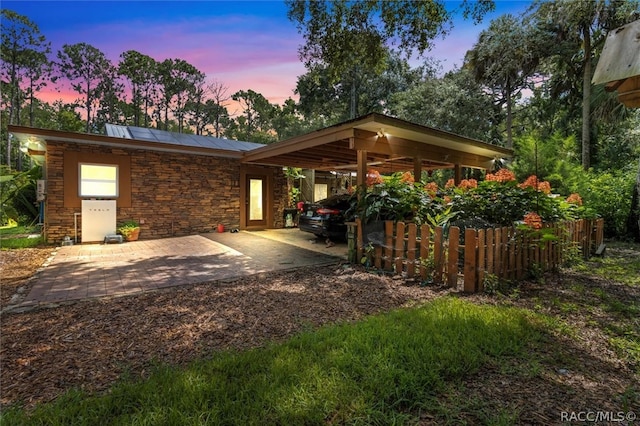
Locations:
(609, 195)
(500, 200)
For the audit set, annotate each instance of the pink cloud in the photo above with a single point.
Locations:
(241, 52)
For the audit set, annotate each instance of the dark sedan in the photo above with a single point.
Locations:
(326, 218)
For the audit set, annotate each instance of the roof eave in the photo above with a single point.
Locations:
(43, 135)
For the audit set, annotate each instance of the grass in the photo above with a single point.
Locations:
(381, 370)
(385, 369)
(17, 237)
(620, 263)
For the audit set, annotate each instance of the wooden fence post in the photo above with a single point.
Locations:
(411, 249)
(490, 251)
(388, 245)
(452, 264)
(482, 254)
(438, 255)
(470, 276)
(497, 251)
(425, 242)
(399, 253)
(512, 246)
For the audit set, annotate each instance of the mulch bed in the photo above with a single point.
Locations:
(89, 344)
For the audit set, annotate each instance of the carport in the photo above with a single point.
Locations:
(383, 143)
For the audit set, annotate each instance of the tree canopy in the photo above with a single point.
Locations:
(525, 82)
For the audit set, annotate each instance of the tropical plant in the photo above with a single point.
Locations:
(18, 195)
(126, 229)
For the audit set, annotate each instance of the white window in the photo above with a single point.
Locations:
(98, 180)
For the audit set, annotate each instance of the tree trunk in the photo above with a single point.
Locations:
(88, 104)
(509, 118)
(586, 97)
(633, 221)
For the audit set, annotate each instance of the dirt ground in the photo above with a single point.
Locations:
(89, 344)
(17, 267)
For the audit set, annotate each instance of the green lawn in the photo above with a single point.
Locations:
(621, 263)
(14, 237)
(381, 370)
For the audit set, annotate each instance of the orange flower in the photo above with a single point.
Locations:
(502, 175)
(431, 188)
(468, 184)
(544, 187)
(450, 184)
(373, 177)
(533, 220)
(533, 182)
(407, 177)
(447, 199)
(574, 198)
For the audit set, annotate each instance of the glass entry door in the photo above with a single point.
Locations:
(256, 200)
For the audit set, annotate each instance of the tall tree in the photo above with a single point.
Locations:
(583, 24)
(219, 94)
(206, 109)
(141, 72)
(178, 82)
(86, 68)
(255, 122)
(37, 75)
(112, 104)
(23, 60)
(455, 103)
(348, 96)
(348, 37)
(286, 120)
(504, 60)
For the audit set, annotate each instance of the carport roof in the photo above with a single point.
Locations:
(373, 141)
(389, 144)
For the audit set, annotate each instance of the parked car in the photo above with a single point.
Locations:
(326, 218)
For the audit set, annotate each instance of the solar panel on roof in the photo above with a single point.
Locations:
(141, 133)
(117, 131)
(195, 140)
(184, 139)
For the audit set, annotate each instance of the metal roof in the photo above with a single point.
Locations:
(386, 143)
(181, 139)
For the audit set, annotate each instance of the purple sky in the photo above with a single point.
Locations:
(241, 44)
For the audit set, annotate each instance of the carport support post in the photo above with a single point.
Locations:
(361, 177)
(417, 169)
(361, 181)
(457, 170)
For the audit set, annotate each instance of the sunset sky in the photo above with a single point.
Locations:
(241, 44)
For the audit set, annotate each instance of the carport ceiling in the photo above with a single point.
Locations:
(389, 144)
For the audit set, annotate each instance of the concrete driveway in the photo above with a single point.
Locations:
(101, 270)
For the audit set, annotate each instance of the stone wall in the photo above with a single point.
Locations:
(171, 194)
(280, 198)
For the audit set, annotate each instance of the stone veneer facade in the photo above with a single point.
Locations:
(172, 194)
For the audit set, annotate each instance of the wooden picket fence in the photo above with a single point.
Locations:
(467, 258)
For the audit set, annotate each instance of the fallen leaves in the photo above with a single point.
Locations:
(90, 344)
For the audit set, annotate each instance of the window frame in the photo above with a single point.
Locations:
(117, 180)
